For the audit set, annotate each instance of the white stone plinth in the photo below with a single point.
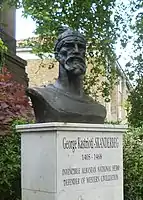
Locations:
(68, 161)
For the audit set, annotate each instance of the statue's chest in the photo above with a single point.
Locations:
(66, 103)
(52, 105)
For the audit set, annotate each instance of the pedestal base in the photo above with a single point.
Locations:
(64, 161)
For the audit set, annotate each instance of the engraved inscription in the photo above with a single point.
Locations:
(90, 160)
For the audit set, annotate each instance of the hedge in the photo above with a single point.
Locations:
(133, 164)
(10, 177)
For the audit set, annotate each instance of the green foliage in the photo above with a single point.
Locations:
(137, 31)
(135, 65)
(135, 108)
(3, 50)
(13, 102)
(10, 168)
(131, 31)
(133, 164)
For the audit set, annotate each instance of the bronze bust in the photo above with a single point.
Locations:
(65, 101)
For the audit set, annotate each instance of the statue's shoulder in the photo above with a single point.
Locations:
(40, 93)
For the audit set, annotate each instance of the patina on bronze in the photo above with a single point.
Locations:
(65, 101)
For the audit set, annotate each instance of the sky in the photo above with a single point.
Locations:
(24, 27)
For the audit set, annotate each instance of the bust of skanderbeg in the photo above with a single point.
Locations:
(65, 101)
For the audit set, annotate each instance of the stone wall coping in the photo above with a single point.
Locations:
(60, 126)
(16, 59)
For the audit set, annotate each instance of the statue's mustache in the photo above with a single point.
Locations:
(77, 61)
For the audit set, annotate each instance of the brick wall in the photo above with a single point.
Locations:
(41, 73)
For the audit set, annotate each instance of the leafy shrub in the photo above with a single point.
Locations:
(13, 105)
(10, 178)
(135, 108)
(3, 50)
(133, 164)
(13, 102)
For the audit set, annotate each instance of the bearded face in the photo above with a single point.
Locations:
(72, 57)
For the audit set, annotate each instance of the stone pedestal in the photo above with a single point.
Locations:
(64, 161)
